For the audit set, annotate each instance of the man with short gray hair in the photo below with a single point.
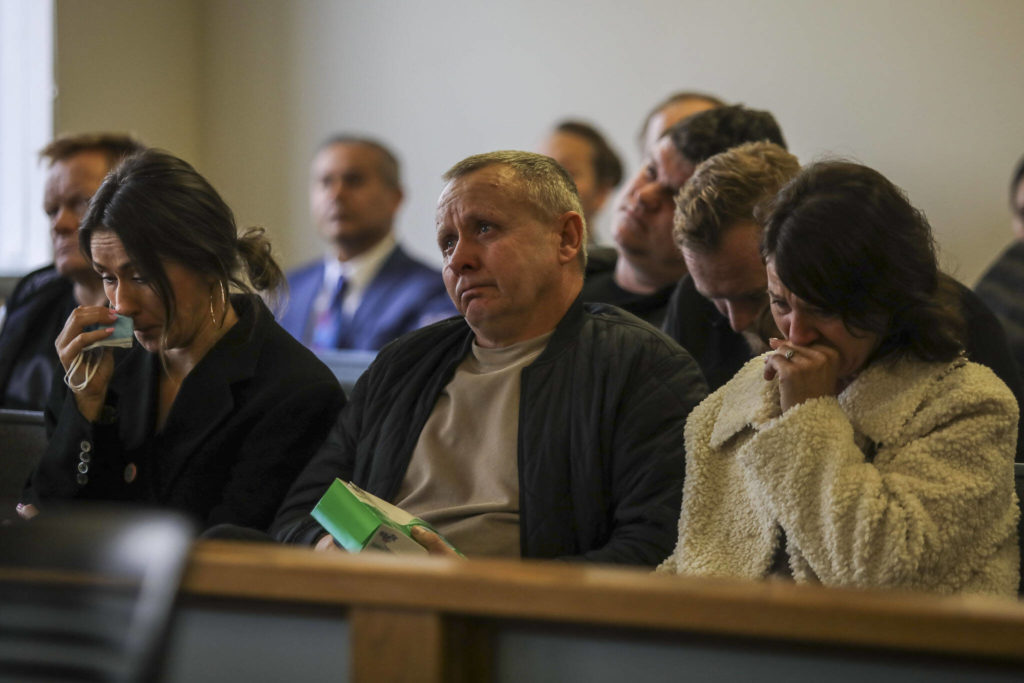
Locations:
(535, 425)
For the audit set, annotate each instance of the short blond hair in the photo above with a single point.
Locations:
(725, 189)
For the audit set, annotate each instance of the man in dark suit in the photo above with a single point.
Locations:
(43, 299)
(366, 291)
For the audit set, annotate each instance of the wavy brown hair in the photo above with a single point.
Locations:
(846, 240)
(163, 210)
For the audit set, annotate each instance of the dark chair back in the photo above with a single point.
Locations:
(87, 593)
(22, 444)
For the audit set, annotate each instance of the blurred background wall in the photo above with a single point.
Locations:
(930, 92)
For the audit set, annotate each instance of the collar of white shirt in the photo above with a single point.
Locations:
(359, 272)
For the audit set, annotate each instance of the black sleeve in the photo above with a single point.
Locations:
(270, 456)
(987, 345)
(649, 462)
(334, 460)
(82, 460)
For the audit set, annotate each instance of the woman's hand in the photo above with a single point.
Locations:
(804, 372)
(72, 341)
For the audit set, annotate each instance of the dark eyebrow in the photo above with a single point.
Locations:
(127, 265)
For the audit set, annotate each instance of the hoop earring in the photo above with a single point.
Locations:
(224, 306)
(213, 318)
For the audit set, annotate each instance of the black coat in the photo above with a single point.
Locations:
(600, 448)
(696, 324)
(245, 422)
(36, 313)
(600, 287)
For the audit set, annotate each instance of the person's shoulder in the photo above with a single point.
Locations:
(979, 380)
(280, 353)
(616, 333)
(410, 266)
(1006, 270)
(420, 351)
(902, 386)
(1014, 254)
(427, 337)
(305, 271)
(599, 285)
(601, 259)
(45, 280)
(623, 323)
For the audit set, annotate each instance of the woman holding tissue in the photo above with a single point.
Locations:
(863, 449)
(214, 409)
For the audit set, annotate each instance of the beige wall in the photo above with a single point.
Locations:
(131, 65)
(927, 91)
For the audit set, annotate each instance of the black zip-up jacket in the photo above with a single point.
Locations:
(36, 313)
(600, 451)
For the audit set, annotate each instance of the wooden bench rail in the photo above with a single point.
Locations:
(960, 626)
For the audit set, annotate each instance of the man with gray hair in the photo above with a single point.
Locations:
(533, 426)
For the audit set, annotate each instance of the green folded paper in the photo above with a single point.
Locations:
(359, 521)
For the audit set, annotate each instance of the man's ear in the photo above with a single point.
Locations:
(399, 196)
(570, 231)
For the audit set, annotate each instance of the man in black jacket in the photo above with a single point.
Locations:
(42, 300)
(533, 426)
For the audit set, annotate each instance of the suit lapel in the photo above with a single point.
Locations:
(297, 316)
(206, 398)
(372, 310)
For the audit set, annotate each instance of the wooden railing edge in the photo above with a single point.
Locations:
(960, 626)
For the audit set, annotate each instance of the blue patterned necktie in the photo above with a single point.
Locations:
(329, 323)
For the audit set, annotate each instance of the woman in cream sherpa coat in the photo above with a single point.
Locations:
(863, 450)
